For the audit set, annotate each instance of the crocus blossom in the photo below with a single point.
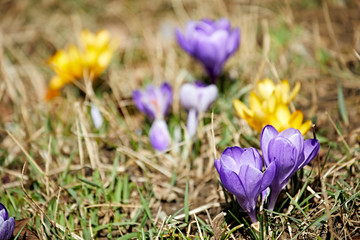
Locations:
(7, 225)
(88, 60)
(289, 152)
(240, 171)
(196, 98)
(269, 105)
(210, 42)
(154, 102)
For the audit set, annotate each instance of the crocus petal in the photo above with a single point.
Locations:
(206, 52)
(284, 154)
(252, 157)
(265, 88)
(159, 135)
(251, 181)
(7, 229)
(231, 182)
(222, 24)
(311, 149)
(242, 110)
(207, 96)
(267, 134)
(268, 176)
(3, 212)
(295, 137)
(296, 119)
(233, 42)
(234, 153)
(305, 127)
(165, 98)
(182, 41)
(138, 99)
(295, 91)
(188, 96)
(192, 122)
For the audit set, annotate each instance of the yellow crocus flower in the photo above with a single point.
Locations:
(270, 106)
(88, 60)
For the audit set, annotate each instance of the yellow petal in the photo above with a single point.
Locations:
(242, 110)
(265, 88)
(255, 102)
(50, 94)
(283, 114)
(56, 83)
(296, 119)
(282, 92)
(295, 90)
(269, 105)
(305, 127)
(76, 66)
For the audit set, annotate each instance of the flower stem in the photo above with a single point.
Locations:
(274, 194)
(252, 215)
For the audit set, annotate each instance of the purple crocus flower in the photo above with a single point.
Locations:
(289, 152)
(196, 98)
(240, 171)
(210, 42)
(7, 224)
(154, 102)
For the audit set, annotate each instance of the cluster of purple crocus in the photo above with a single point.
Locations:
(241, 170)
(7, 225)
(211, 43)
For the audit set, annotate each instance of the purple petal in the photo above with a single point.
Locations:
(284, 154)
(188, 96)
(207, 96)
(233, 42)
(231, 182)
(234, 153)
(142, 103)
(192, 122)
(3, 212)
(166, 97)
(295, 137)
(223, 24)
(268, 176)
(311, 149)
(206, 52)
(154, 101)
(252, 157)
(182, 41)
(267, 134)
(159, 135)
(7, 229)
(251, 179)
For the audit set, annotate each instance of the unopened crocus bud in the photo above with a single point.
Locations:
(159, 135)
(210, 42)
(240, 171)
(7, 225)
(196, 98)
(289, 152)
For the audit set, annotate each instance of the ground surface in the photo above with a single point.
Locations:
(66, 180)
